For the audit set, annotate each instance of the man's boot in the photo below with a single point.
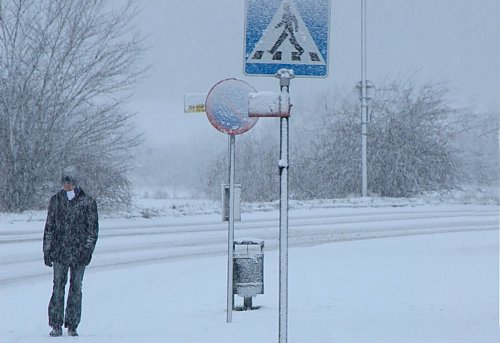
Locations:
(72, 331)
(56, 331)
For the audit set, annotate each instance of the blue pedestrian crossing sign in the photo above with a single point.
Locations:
(291, 34)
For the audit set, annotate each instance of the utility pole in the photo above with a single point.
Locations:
(364, 103)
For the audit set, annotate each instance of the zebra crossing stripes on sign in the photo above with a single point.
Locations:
(291, 34)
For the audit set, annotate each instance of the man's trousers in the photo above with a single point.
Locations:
(71, 318)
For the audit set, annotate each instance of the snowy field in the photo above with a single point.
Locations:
(371, 271)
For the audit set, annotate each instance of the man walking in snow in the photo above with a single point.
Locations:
(69, 240)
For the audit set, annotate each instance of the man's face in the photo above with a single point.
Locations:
(68, 186)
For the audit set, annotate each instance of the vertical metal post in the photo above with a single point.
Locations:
(283, 232)
(230, 238)
(364, 103)
(284, 77)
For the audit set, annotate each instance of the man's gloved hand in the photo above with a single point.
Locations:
(47, 260)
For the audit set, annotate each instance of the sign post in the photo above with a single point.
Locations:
(230, 231)
(285, 39)
(284, 76)
(226, 106)
(263, 104)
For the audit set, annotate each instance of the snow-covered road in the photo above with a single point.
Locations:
(125, 242)
(164, 279)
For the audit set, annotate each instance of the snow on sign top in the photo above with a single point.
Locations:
(291, 34)
(227, 106)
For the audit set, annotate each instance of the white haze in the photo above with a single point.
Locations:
(196, 43)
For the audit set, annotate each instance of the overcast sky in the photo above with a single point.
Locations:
(196, 43)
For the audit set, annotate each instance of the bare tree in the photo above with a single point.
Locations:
(411, 140)
(476, 139)
(327, 150)
(65, 67)
(417, 142)
(410, 146)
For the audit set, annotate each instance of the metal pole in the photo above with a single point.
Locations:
(284, 76)
(230, 235)
(283, 239)
(364, 103)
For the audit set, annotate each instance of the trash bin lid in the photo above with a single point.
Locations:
(249, 241)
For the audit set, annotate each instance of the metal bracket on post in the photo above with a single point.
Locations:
(284, 75)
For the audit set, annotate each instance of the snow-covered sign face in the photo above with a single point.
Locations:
(227, 106)
(287, 34)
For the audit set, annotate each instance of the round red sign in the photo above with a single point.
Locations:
(227, 106)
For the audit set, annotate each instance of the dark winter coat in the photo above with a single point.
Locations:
(71, 229)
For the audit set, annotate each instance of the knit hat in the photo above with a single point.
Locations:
(69, 175)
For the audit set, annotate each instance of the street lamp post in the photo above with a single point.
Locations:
(365, 90)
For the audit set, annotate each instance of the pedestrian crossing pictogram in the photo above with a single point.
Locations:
(286, 40)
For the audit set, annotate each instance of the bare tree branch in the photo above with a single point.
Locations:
(62, 61)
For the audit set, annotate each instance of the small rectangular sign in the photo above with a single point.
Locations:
(194, 102)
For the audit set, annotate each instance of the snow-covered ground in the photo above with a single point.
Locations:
(359, 271)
